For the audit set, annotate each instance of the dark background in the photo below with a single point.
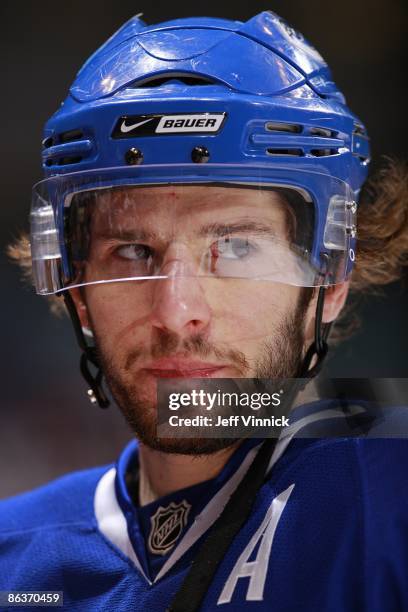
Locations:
(47, 426)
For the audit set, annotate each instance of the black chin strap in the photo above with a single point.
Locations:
(89, 358)
(319, 348)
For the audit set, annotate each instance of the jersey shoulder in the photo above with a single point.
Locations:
(375, 463)
(66, 500)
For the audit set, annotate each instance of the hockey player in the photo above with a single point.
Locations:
(198, 220)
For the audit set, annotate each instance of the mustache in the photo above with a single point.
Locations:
(168, 343)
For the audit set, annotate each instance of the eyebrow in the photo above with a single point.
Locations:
(127, 235)
(210, 229)
(223, 229)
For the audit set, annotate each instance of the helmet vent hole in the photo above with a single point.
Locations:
(322, 132)
(273, 126)
(323, 152)
(186, 79)
(71, 135)
(295, 152)
(64, 161)
(48, 142)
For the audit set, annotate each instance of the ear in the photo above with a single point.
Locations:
(335, 298)
(82, 310)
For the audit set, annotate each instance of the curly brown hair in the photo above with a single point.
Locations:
(382, 247)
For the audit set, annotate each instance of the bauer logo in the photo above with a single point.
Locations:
(190, 123)
(129, 126)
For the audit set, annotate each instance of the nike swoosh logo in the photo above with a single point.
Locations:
(127, 128)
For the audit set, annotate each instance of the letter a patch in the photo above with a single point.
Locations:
(256, 570)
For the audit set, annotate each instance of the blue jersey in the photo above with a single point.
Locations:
(328, 531)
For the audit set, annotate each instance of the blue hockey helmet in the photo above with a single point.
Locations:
(238, 120)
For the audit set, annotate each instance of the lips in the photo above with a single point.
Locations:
(183, 368)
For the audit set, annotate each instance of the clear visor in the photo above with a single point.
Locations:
(89, 228)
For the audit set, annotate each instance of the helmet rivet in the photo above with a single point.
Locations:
(200, 155)
(133, 157)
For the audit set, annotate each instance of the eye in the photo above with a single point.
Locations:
(136, 252)
(231, 248)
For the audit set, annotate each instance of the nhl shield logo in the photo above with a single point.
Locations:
(166, 527)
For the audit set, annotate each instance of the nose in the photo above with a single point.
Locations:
(179, 304)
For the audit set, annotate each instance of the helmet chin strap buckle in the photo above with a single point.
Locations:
(91, 396)
(95, 393)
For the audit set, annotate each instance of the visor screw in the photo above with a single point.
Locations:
(200, 155)
(351, 231)
(133, 157)
(352, 207)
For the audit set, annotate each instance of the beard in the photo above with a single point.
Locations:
(280, 357)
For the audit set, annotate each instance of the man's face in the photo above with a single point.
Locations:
(201, 320)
